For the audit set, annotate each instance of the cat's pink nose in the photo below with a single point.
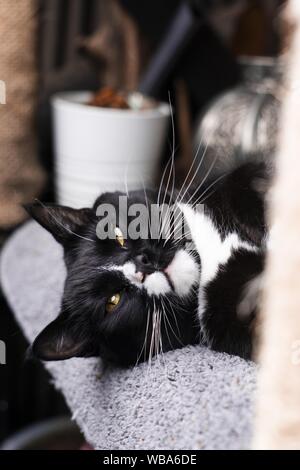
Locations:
(144, 264)
(167, 270)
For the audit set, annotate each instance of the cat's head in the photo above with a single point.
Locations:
(126, 296)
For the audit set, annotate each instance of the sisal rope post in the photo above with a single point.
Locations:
(278, 405)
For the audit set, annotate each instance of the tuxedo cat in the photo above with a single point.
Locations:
(124, 299)
(128, 300)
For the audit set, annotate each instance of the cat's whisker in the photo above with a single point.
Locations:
(184, 234)
(165, 219)
(144, 347)
(195, 173)
(175, 319)
(151, 342)
(162, 180)
(126, 176)
(179, 340)
(160, 340)
(175, 225)
(158, 337)
(172, 167)
(208, 196)
(156, 346)
(148, 208)
(158, 350)
(201, 184)
(155, 332)
(166, 328)
(153, 347)
(199, 198)
(172, 154)
(191, 167)
(189, 172)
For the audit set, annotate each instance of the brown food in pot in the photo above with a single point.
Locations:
(107, 97)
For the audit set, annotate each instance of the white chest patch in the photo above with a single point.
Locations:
(213, 251)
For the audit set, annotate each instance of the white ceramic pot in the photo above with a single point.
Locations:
(100, 149)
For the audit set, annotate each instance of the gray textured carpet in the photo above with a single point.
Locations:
(196, 399)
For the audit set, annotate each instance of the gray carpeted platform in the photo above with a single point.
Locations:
(194, 399)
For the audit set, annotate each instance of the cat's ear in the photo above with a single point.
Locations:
(58, 341)
(61, 221)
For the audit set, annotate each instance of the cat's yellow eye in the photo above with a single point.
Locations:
(112, 302)
(119, 236)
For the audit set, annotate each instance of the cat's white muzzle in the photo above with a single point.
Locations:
(181, 275)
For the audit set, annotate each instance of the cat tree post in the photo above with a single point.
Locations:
(278, 407)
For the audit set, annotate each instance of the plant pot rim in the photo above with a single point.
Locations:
(77, 100)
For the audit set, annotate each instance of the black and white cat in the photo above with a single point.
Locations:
(127, 300)
(230, 235)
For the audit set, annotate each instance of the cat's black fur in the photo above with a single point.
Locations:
(239, 202)
(225, 331)
(83, 328)
(237, 205)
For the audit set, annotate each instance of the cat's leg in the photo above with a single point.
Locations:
(223, 328)
(239, 202)
(251, 297)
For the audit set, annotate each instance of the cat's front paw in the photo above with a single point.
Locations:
(251, 298)
(225, 331)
